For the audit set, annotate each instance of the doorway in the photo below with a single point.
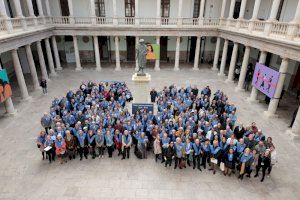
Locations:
(103, 48)
(130, 41)
(237, 9)
(64, 6)
(164, 48)
(192, 49)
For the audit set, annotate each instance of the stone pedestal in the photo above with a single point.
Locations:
(141, 88)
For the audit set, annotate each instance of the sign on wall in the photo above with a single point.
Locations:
(5, 88)
(141, 107)
(153, 51)
(265, 79)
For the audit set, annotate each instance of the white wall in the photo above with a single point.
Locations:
(147, 8)
(213, 8)
(55, 7)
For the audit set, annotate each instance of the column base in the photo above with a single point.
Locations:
(59, 68)
(78, 68)
(237, 89)
(195, 68)
(98, 69)
(214, 69)
(11, 114)
(221, 74)
(156, 69)
(53, 74)
(270, 115)
(293, 135)
(37, 88)
(176, 69)
(29, 98)
(252, 100)
(229, 81)
(118, 69)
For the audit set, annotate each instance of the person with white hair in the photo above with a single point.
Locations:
(60, 148)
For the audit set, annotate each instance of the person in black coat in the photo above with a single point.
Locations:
(264, 162)
(229, 162)
(153, 95)
(239, 131)
(170, 153)
(43, 84)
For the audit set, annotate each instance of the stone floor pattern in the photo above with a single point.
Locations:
(23, 175)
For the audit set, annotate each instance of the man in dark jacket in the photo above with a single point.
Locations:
(153, 95)
(239, 131)
(170, 154)
(264, 162)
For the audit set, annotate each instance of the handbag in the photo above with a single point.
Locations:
(214, 161)
(222, 166)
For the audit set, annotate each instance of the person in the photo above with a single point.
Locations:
(197, 151)
(40, 141)
(46, 121)
(142, 144)
(170, 154)
(237, 73)
(157, 148)
(82, 144)
(126, 144)
(245, 163)
(205, 153)
(264, 162)
(50, 148)
(118, 141)
(153, 95)
(92, 143)
(60, 148)
(43, 84)
(188, 150)
(150, 52)
(70, 144)
(179, 154)
(109, 143)
(215, 151)
(100, 143)
(229, 162)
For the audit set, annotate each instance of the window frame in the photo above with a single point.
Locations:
(165, 8)
(129, 8)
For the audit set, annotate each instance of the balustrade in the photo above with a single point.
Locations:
(279, 28)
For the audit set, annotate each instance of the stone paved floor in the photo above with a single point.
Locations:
(23, 175)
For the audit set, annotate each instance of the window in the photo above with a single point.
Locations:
(165, 8)
(196, 8)
(100, 8)
(129, 8)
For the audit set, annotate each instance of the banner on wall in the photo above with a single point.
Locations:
(153, 51)
(265, 79)
(5, 88)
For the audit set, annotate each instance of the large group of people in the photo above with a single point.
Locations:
(192, 128)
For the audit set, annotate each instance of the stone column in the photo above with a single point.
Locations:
(201, 13)
(97, 53)
(272, 18)
(115, 20)
(19, 13)
(254, 15)
(136, 59)
(232, 62)
(197, 53)
(254, 91)
(224, 58)
(244, 69)
(70, 4)
(56, 54)
(50, 58)
(158, 12)
(176, 67)
(296, 125)
(33, 73)
(9, 106)
(118, 65)
(217, 52)
(275, 100)
(179, 23)
(48, 10)
(19, 74)
(77, 57)
(223, 9)
(231, 9)
(93, 11)
(157, 61)
(242, 13)
(136, 6)
(42, 61)
(3, 14)
(31, 12)
(40, 9)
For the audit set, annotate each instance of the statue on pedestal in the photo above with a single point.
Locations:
(141, 53)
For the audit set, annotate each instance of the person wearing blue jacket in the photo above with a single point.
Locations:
(179, 153)
(82, 144)
(205, 153)
(99, 138)
(109, 143)
(215, 151)
(197, 151)
(126, 144)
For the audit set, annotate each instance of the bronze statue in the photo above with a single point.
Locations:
(141, 53)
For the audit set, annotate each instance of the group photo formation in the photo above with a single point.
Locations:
(149, 99)
(192, 128)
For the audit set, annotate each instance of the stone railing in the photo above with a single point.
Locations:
(274, 29)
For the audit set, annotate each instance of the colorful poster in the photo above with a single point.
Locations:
(265, 79)
(5, 89)
(153, 51)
